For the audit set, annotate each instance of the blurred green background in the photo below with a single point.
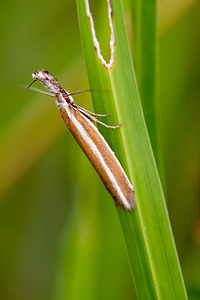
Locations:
(59, 232)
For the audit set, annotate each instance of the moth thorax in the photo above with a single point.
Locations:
(60, 101)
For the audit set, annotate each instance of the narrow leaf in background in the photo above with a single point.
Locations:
(144, 16)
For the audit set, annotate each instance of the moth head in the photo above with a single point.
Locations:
(47, 79)
(42, 75)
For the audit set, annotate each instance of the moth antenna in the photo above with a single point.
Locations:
(36, 90)
(31, 84)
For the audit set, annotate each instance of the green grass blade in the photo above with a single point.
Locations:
(144, 19)
(147, 231)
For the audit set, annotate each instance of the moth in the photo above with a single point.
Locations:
(80, 123)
